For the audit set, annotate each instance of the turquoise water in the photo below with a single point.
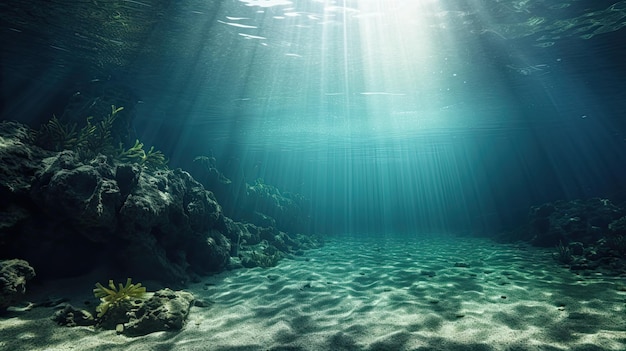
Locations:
(386, 115)
(403, 115)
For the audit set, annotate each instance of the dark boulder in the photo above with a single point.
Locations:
(13, 276)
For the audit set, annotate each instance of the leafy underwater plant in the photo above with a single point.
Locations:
(563, 254)
(100, 138)
(136, 154)
(113, 295)
(57, 136)
(89, 140)
(96, 138)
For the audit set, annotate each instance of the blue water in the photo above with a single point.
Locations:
(387, 116)
(414, 115)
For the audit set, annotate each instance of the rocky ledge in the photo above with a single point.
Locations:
(68, 214)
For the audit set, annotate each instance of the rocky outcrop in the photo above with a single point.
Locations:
(159, 229)
(85, 196)
(19, 163)
(13, 277)
(71, 316)
(166, 310)
(163, 310)
(585, 235)
(171, 216)
(67, 213)
(259, 203)
(585, 221)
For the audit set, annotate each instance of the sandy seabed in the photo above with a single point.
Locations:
(429, 293)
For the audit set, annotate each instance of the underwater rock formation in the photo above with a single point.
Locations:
(255, 246)
(155, 230)
(259, 203)
(585, 221)
(13, 277)
(67, 214)
(163, 310)
(71, 316)
(166, 310)
(584, 234)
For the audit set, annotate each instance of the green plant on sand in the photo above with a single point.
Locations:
(563, 254)
(113, 295)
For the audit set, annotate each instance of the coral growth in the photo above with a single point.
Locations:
(116, 295)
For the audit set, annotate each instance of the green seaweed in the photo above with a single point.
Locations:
(563, 254)
(94, 139)
(154, 159)
(136, 154)
(113, 295)
(100, 139)
(57, 136)
(88, 141)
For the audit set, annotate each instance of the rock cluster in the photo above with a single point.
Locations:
(252, 200)
(585, 234)
(164, 310)
(67, 215)
(585, 221)
(13, 277)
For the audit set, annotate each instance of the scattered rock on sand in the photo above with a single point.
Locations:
(13, 277)
(165, 310)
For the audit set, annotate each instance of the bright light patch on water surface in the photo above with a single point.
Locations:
(266, 3)
(397, 44)
(350, 66)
